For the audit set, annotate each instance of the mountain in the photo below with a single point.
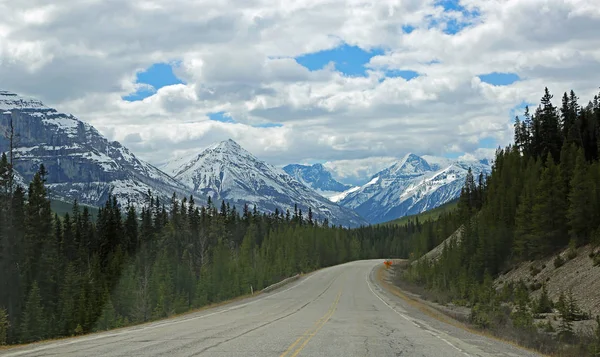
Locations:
(81, 163)
(410, 186)
(318, 178)
(226, 171)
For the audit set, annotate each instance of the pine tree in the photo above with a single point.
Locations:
(108, 318)
(548, 212)
(33, 323)
(544, 304)
(580, 212)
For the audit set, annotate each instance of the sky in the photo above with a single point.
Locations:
(354, 84)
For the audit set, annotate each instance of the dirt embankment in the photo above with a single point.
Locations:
(578, 275)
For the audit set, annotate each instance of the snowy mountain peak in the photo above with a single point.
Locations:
(226, 171)
(411, 185)
(229, 144)
(11, 101)
(409, 165)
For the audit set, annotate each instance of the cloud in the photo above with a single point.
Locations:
(386, 77)
(359, 171)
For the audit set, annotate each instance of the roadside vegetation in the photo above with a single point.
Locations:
(542, 197)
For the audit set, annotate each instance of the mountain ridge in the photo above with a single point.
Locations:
(82, 164)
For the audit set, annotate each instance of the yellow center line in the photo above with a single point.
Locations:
(306, 333)
(311, 332)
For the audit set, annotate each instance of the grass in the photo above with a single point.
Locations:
(432, 214)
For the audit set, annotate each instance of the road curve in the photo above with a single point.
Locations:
(337, 311)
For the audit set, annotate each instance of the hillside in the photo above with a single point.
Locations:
(431, 214)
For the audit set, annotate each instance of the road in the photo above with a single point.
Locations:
(337, 311)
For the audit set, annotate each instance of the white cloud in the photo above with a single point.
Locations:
(359, 171)
(237, 56)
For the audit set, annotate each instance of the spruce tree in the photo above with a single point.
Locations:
(33, 323)
(580, 212)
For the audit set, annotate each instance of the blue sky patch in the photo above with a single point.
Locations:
(155, 77)
(519, 110)
(408, 28)
(499, 79)
(268, 125)
(349, 60)
(222, 117)
(453, 154)
(488, 143)
(406, 74)
(453, 26)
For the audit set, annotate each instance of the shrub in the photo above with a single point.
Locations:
(572, 252)
(78, 330)
(3, 326)
(535, 286)
(534, 270)
(558, 261)
(597, 259)
(548, 327)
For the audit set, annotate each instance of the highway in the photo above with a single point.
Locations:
(337, 311)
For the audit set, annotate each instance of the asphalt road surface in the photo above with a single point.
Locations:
(338, 311)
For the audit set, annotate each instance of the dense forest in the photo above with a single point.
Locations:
(542, 196)
(71, 274)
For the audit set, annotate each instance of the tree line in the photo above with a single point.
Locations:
(69, 275)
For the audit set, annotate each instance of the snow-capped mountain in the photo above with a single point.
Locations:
(81, 163)
(318, 178)
(226, 171)
(410, 186)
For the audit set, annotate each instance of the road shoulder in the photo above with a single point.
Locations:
(428, 317)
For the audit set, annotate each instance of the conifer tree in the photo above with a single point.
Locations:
(33, 324)
(580, 212)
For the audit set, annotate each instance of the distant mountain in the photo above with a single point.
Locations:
(81, 163)
(318, 178)
(226, 171)
(410, 186)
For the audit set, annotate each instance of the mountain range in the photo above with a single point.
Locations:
(83, 165)
(226, 171)
(410, 186)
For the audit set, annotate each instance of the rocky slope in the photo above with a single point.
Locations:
(81, 163)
